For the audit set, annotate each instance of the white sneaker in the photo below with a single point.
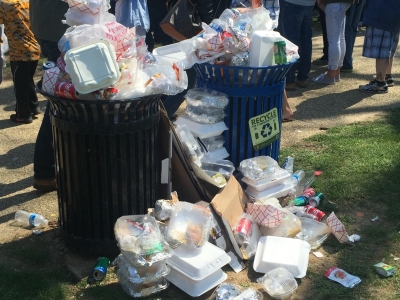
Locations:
(323, 79)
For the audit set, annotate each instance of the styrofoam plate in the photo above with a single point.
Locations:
(273, 252)
(274, 192)
(202, 130)
(196, 288)
(277, 178)
(198, 263)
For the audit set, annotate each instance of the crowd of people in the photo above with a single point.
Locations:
(34, 27)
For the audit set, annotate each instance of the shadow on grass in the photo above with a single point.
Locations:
(361, 164)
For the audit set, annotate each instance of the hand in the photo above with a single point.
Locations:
(321, 4)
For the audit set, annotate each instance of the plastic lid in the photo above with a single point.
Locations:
(278, 283)
(92, 66)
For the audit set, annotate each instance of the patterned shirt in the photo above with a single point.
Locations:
(14, 14)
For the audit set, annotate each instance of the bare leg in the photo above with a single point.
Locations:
(382, 65)
(389, 67)
(286, 109)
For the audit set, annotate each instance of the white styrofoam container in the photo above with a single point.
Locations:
(218, 154)
(92, 66)
(273, 252)
(197, 264)
(196, 288)
(202, 130)
(277, 178)
(262, 47)
(274, 192)
(173, 51)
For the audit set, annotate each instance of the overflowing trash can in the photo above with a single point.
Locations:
(252, 92)
(106, 155)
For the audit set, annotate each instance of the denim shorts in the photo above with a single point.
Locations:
(379, 43)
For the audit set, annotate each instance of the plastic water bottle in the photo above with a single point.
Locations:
(297, 177)
(31, 219)
(288, 164)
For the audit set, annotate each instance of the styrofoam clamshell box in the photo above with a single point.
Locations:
(202, 130)
(277, 178)
(196, 288)
(291, 254)
(197, 264)
(274, 192)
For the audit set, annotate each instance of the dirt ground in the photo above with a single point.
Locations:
(316, 108)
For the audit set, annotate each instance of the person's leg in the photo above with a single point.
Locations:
(287, 111)
(33, 99)
(291, 25)
(172, 103)
(23, 85)
(304, 66)
(43, 160)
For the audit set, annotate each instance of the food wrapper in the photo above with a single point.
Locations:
(341, 276)
(338, 229)
(164, 208)
(266, 215)
(384, 269)
(50, 78)
(61, 64)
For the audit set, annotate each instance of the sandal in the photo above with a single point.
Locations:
(288, 119)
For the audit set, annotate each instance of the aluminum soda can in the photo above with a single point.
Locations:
(316, 212)
(316, 199)
(66, 90)
(309, 192)
(280, 53)
(302, 200)
(99, 271)
(48, 65)
(242, 231)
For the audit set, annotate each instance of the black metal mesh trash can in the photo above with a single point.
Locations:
(106, 163)
(252, 91)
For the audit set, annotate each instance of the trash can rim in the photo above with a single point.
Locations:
(245, 67)
(53, 97)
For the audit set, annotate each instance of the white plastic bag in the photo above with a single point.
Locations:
(88, 12)
(4, 46)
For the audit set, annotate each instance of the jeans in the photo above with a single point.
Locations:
(43, 159)
(172, 103)
(335, 16)
(353, 17)
(296, 27)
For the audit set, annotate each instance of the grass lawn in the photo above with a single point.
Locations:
(360, 180)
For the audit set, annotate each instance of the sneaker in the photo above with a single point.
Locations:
(302, 84)
(337, 78)
(345, 70)
(388, 78)
(374, 87)
(323, 79)
(45, 185)
(290, 86)
(14, 118)
(322, 61)
(36, 112)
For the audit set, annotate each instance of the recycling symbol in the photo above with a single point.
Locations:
(266, 130)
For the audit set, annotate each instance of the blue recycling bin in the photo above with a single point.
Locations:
(252, 91)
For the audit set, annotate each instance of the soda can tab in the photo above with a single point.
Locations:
(48, 65)
(316, 212)
(280, 53)
(66, 90)
(99, 271)
(384, 269)
(316, 199)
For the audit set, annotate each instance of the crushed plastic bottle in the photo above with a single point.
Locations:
(297, 177)
(31, 219)
(288, 164)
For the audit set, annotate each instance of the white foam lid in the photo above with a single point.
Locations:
(196, 288)
(198, 263)
(274, 192)
(92, 66)
(273, 252)
(202, 130)
(277, 178)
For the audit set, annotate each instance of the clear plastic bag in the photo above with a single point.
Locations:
(226, 291)
(204, 116)
(88, 12)
(137, 274)
(190, 224)
(279, 283)
(190, 144)
(204, 97)
(247, 234)
(258, 167)
(214, 142)
(250, 294)
(138, 290)
(140, 240)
